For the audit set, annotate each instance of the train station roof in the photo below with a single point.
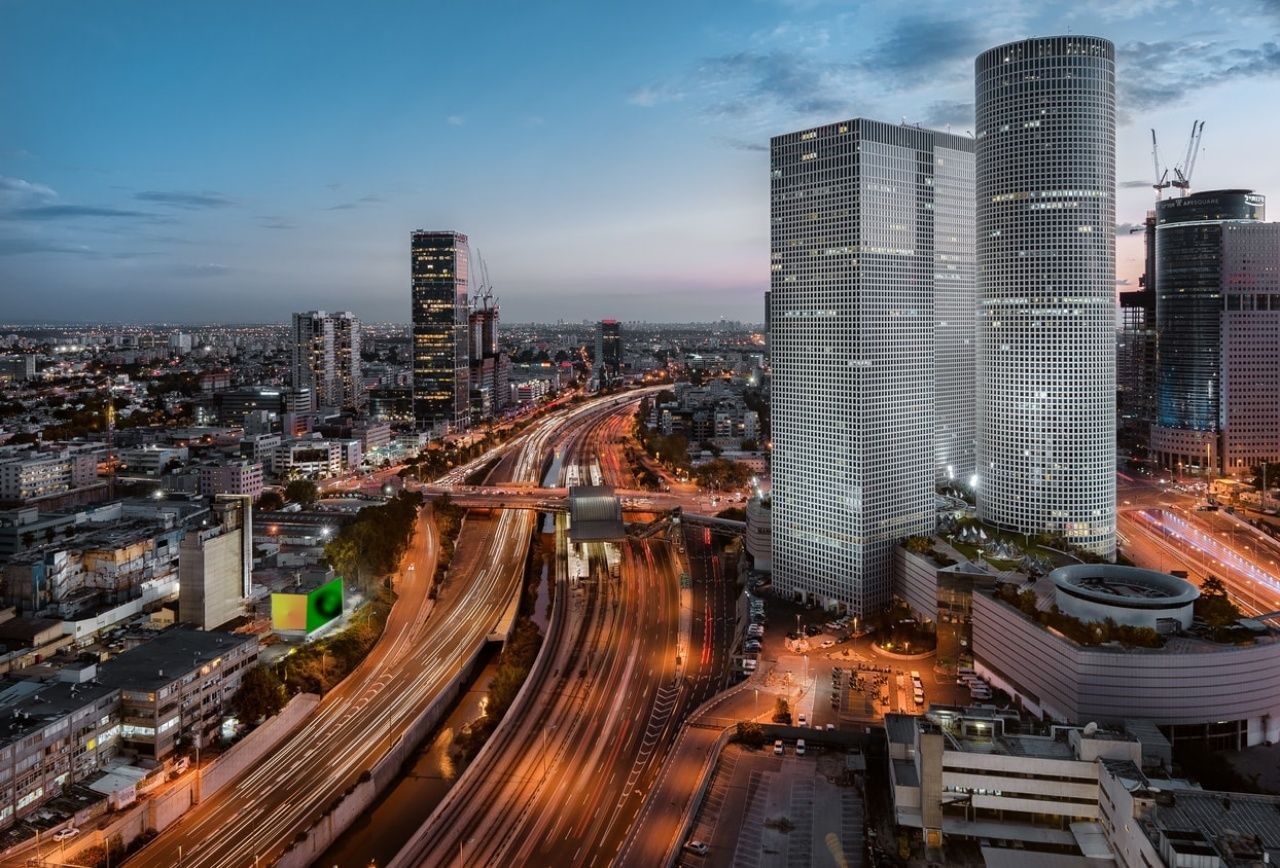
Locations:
(595, 514)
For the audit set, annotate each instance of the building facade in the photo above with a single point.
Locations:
(608, 350)
(1218, 309)
(215, 565)
(326, 357)
(1045, 174)
(440, 270)
(852, 336)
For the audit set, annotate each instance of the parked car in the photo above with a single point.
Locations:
(802, 721)
(697, 847)
(66, 834)
(777, 748)
(799, 747)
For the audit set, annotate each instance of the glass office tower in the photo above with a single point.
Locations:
(855, 242)
(1046, 121)
(440, 270)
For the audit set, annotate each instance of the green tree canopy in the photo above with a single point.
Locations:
(261, 694)
(303, 491)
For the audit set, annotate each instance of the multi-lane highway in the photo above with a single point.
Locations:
(425, 646)
(564, 777)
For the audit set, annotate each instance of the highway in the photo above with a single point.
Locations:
(425, 645)
(564, 777)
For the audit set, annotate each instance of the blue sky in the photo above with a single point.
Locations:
(235, 161)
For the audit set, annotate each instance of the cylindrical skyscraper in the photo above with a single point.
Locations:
(1045, 163)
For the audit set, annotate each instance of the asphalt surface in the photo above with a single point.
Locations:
(424, 647)
(564, 778)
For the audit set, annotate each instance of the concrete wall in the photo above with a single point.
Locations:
(163, 810)
(358, 799)
(1178, 684)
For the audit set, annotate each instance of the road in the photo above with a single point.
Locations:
(1163, 530)
(425, 646)
(566, 774)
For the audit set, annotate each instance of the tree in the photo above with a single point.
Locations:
(261, 694)
(269, 501)
(1214, 605)
(781, 710)
(303, 491)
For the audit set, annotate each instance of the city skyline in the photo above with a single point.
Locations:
(121, 198)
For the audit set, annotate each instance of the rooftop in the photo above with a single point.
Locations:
(168, 657)
(28, 706)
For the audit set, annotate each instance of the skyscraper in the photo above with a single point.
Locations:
(955, 299)
(312, 353)
(326, 357)
(490, 367)
(440, 270)
(858, 245)
(608, 350)
(1045, 150)
(1218, 308)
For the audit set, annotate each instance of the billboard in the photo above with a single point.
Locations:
(306, 613)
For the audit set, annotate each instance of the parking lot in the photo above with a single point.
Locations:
(833, 678)
(769, 811)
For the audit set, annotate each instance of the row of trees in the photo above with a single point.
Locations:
(721, 474)
(1081, 632)
(374, 543)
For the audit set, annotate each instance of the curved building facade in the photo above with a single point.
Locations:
(1224, 695)
(1045, 177)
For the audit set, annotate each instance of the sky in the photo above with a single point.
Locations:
(236, 161)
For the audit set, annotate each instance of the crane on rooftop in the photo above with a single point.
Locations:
(1182, 174)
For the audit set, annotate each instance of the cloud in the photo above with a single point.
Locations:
(455, 120)
(180, 199)
(534, 121)
(203, 269)
(15, 192)
(1126, 228)
(69, 212)
(741, 145)
(1123, 281)
(953, 112)
(19, 246)
(1133, 185)
(917, 46)
(1158, 74)
(275, 223)
(654, 94)
(356, 203)
(750, 81)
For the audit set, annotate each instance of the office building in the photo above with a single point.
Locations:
(608, 356)
(28, 474)
(1045, 174)
(441, 368)
(855, 243)
(1218, 314)
(326, 357)
(954, 300)
(215, 565)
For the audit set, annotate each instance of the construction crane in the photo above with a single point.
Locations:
(1162, 183)
(1182, 174)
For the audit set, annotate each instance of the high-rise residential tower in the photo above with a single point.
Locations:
(440, 270)
(857, 248)
(326, 357)
(1218, 309)
(1045, 149)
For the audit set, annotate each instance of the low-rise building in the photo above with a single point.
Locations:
(175, 689)
(236, 477)
(969, 774)
(1222, 694)
(28, 474)
(53, 734)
